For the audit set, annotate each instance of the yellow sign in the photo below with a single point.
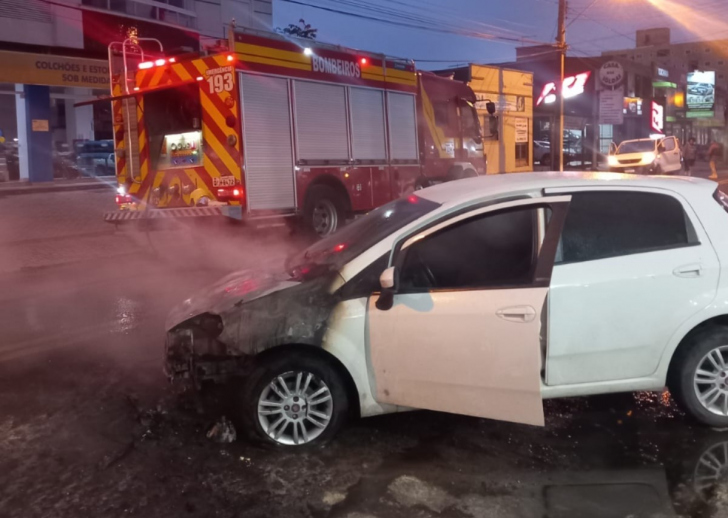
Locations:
(40, 124)
(44, 69)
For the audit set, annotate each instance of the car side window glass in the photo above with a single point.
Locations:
(493, 250)
(669, 144)
(600, 225)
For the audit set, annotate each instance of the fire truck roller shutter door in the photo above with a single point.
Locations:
(402, 126)
(268, 148)
(320, 122)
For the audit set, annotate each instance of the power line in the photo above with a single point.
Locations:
(467, 33)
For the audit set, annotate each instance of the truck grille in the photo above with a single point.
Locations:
(630, 162)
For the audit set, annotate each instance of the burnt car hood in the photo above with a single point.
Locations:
(234, 289)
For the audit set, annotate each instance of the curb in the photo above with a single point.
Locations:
(39, 189)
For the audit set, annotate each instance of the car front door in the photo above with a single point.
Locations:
(631, 268)
(463, 333)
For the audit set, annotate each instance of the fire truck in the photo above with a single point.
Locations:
(270, 127)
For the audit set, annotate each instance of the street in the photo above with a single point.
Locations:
(89, 425)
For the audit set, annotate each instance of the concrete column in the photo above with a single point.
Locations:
(79, 121)
(22, 126)
(40, 138)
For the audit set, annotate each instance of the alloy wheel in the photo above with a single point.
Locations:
(295, 408)
(711, 381)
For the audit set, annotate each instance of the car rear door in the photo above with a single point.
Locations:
(464, 332)
(632, 267)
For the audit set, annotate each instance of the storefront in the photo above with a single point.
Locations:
(40, 130)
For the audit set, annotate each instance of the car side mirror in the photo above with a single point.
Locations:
(388, 282)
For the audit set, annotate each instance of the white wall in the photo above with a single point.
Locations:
(39, 23)
(214, 15)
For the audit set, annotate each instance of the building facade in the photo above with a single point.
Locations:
(55, 54)
(508, 132)
(702, 67)
(606, 100)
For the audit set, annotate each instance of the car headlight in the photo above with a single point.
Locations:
(648, 158)
(612, 160)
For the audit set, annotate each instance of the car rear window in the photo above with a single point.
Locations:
(600, 225)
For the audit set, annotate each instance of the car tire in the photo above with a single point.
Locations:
(324, 211)
(303, 426)
(689, 387)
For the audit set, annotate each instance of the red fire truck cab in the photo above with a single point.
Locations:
(275, 127)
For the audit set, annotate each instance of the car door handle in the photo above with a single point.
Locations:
(517, 314)
(689, 270)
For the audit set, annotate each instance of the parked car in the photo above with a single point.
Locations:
(482, 297)
(647, 156)
(96, 158)
(542, 152)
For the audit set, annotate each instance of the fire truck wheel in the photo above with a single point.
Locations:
(325, 211)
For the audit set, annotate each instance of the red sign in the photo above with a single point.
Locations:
(658, 118)
(573, 86)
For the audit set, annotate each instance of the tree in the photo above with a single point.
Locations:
(300, 30)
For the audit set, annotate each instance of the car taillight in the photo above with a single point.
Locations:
(123, 198)
(230, 193)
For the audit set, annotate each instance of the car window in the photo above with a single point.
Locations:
(669, 144)
(610, 224)
(492, 250)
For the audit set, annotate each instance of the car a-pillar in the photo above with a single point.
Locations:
(326, 206)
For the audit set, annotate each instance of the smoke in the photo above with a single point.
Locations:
(73, 284)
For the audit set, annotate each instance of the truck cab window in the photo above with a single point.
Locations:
(470, 121)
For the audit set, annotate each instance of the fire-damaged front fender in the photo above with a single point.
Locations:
(214, 345)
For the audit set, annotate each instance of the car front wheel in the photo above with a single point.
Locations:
(294, 400)
(702, 377)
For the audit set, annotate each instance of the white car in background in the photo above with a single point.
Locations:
(647, 156)
(482, 297)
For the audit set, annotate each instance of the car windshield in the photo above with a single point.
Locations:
(346, 244)
(636, 146)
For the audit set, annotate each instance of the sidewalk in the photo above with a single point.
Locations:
(58, 185)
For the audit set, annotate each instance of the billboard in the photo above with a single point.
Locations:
(701, 91)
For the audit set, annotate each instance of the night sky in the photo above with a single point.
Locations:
(596, 25)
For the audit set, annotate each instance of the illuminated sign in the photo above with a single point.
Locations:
(701, 91)
(573, 86)
(181, 150)
(658, 118)
(632, 106)
(661, 72)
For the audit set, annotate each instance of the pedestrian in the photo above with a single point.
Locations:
(690, 154)
(713, 153)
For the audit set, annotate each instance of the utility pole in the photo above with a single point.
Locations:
(561, 44)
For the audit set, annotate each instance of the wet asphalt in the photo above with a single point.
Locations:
(90, 427)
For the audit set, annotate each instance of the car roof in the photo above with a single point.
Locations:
(502, 185)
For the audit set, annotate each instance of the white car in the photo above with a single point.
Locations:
(482, 297)
(647, 156)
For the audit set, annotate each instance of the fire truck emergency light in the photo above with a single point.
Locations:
(160, 62)
(307, 51)
(363, 61)
(145, 64)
